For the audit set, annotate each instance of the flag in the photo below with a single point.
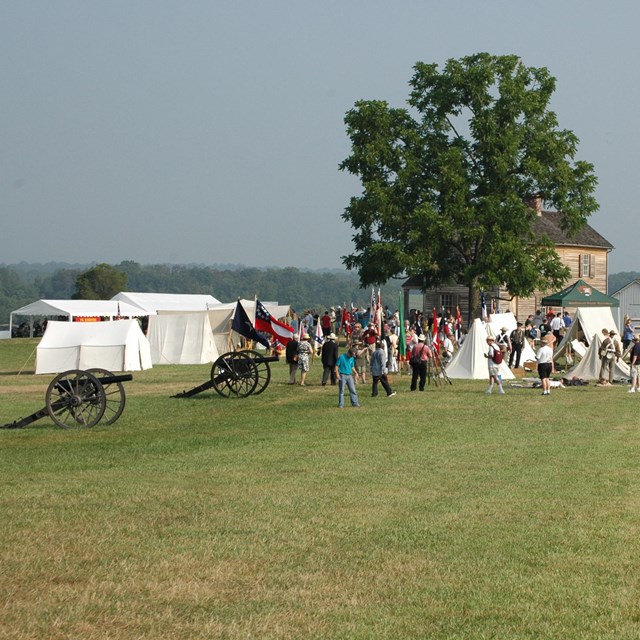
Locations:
(266, 322)
(483, 307)
(379, 313)
(493, 306)
(402, 342)
(242, 325)
(435, 337)
(372, 306)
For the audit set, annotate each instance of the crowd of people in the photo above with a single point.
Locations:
(376, 345)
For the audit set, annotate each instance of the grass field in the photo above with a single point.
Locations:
(443, 514)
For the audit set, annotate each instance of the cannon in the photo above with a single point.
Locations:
(236, 374)
(78, 398)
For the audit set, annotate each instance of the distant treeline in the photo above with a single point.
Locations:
(24, 283)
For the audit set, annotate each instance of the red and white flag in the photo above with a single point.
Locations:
(266, 322)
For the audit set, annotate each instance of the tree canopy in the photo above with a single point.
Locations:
(101, 282)
(446, 181)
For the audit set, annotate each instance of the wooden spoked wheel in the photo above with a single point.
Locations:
(114, 394)
(75, 399)
(234, 374)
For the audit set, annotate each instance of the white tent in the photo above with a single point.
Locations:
(587, 322)
(508, 320)
(76, 309)
(221, 316)
(589, 367)
(115, 346)
(469, 362)
(152, 303)
(181, 338)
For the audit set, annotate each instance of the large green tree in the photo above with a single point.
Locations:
(445, 182)
(101, 282)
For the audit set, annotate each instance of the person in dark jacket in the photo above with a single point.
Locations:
(291, 356)
(329, 357)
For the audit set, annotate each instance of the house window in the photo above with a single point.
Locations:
(585, 265)
(446, 301)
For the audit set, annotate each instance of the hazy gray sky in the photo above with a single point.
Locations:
(211, 132)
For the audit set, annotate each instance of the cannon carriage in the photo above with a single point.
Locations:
(80, 399)
(236, 374)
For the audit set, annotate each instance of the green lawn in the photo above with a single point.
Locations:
(443, 514)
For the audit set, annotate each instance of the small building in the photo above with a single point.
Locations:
(586, 254)
(629, 299)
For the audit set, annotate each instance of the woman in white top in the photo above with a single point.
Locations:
(544, 357)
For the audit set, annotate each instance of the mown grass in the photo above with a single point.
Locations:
(444, 514)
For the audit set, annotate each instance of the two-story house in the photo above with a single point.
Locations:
(586, 254)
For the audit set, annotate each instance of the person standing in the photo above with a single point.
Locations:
(304, 354)
(494, 358)
(329, 357)
(627, 334)
(517, 343)
(557, 327)
(502, 339)
(610, 353)
(544, 358)
(344, 370)
(291, 356)
(379, 371)
(420, 355)
(635, 365)
(325, 324)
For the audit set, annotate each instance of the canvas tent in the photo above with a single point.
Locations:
(469, 362)
(220, 317)
(71, 309)
(115, 346)
(579, 294)
(181, 338)
(587, 322)
(589, 367)
(508, 320)
(152, 303)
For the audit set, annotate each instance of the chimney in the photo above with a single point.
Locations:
(535, 203)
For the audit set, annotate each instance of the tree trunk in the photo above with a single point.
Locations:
(474, 303)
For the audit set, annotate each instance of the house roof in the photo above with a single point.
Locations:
(634, 283)
(548, 223)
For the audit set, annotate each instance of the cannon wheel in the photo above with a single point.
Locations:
(115, 396)
(75, 399)
(234, 374)
(264, 372)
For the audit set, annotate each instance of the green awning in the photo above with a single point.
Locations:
(579, 294)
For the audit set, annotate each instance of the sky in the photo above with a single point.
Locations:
(210, 132)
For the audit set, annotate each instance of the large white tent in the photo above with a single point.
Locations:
(589, 367)
(115, 346)
(587, 322)
(71, 309)
(181, 338)
(469, 362)
(152, 303)
(499, 320)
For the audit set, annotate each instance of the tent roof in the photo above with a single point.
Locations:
(587, 322)
(579, 294)
(154, 302)
(78, 308)
(589, 367)
(468, 362)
